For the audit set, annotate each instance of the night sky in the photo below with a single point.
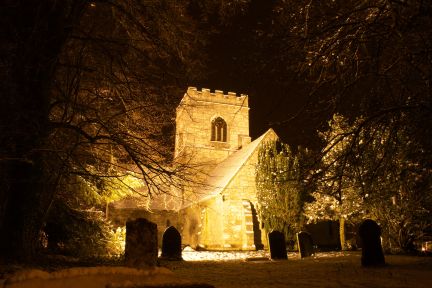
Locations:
(246, 56)
(284, 111)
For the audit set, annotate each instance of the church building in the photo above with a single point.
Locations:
(212, 132)
(219, 210)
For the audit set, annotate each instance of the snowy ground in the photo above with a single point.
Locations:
(334, 269)
(241, 269)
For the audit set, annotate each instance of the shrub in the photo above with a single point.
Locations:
(82, 233)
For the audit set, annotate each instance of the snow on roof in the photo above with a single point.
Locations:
(225, 171)
(215, 183)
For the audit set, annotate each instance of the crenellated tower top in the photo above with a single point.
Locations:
(217, 96)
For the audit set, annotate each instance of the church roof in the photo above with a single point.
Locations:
(217, 180)
(225, 171)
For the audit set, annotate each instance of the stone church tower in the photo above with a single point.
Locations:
(215, 208)
(219, 208)
(210, 126)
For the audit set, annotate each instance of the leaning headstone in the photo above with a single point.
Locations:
(305, 244)
(277, 245)
(372, 253)
(141, 248)
(171, 244)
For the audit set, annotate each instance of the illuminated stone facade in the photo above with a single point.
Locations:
(219, 210)
(195, 115)
(212, 131)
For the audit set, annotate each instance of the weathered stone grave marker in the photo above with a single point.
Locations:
(372, 253)
(277, 245)
(141, 248)
(171, 244)
(305, 244)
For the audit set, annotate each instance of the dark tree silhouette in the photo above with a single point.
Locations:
(87, 93)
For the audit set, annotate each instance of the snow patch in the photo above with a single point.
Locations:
(93, 277)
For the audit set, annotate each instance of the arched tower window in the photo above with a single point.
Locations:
(219, 130)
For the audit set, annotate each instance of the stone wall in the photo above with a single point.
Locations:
(193, 126)
(162, 218)
(325, 234)
(242, 188)
(202, 224)
(229, 221)
(191, 225)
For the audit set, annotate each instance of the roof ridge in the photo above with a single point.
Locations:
(221, 181)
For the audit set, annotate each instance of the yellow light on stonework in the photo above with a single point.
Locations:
(189, 254)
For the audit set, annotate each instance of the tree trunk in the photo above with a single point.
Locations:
(22, 215)
(38, 33)
(342, 233)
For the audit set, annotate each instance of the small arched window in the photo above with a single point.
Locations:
(219, 130)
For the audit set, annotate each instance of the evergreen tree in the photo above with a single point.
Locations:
(336, 196)
(279, 190)
(396, 177)
(376, 168)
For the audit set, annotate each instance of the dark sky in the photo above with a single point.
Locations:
(281, 106)
(247, 57)
(284, 111)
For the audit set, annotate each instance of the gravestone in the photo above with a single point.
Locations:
(171, 244)
(141, 248)
(305, 244)
(372, 254)
(277, 245)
